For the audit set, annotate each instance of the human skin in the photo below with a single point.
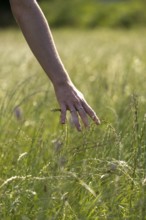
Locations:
(36, 31)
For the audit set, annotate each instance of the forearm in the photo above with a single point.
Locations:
(37, 33)
(31, 21)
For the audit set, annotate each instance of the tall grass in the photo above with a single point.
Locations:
(89, 14)
(49, 171)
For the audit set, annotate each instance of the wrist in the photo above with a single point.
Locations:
(61, 80)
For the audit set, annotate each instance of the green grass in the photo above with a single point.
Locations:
(49, 171)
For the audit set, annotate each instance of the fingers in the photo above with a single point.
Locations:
(63, 114)
(91, 113)
(83, 111)
(75, 118)
(80, 108)
(83, 115)
(74, 115)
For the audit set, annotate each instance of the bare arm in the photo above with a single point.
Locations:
(38, 35)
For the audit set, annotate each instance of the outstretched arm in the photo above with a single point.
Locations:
(38, 35)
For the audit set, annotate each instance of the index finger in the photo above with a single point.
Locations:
(91, 113)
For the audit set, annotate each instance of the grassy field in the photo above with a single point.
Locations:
(52, 172)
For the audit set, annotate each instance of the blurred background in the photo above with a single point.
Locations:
(86, 13)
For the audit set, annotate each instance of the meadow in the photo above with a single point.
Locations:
(52, 172)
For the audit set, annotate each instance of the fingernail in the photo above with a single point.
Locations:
(98, 122)
(62, 122)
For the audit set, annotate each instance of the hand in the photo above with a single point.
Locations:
(71, 99)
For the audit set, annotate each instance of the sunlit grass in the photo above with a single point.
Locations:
(49, 171)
